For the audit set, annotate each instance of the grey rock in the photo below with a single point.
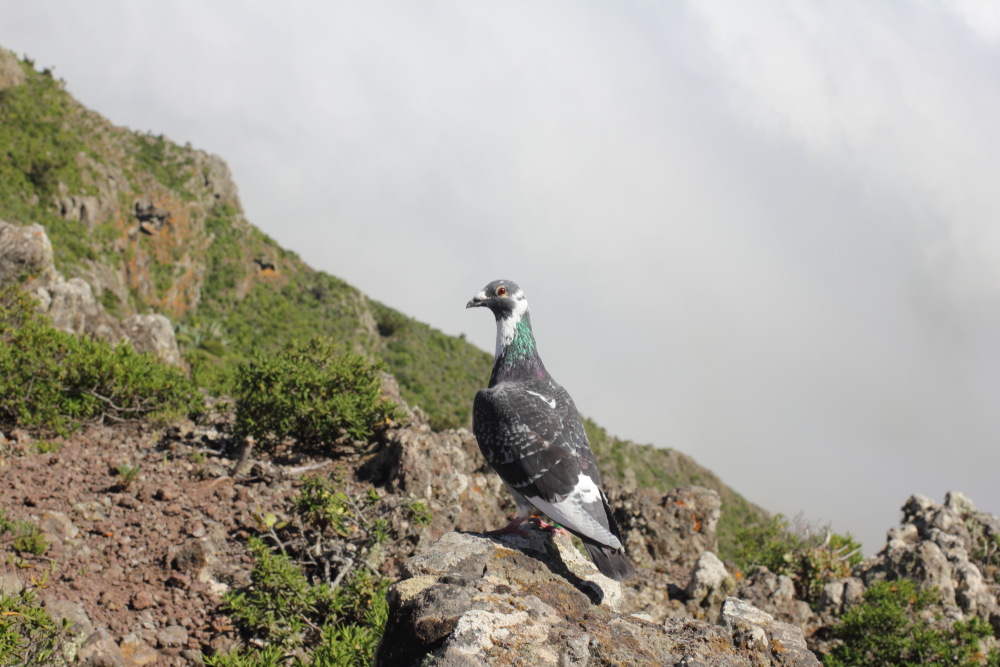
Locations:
(73, 612)
(533, 599)
(854, 591)
(91, 210)
(959, 502)
(831, 599)
(775, 594)
(57, 525)
(11, 72)
(24, 251)
(71, 306)
(666, 534)
(218, 178)
(154, 334)
(708, 586)
(172, 636)
(758, 631)
(100, 650)
(944, 547)
(10, 584)
(195, 558)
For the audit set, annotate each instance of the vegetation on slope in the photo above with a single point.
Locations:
(228, 287)
(204, 268)
(894, 625)
(55, 380)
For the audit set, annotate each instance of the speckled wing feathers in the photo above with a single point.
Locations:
(543, 453)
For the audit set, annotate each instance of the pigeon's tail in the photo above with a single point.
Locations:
(613, 563)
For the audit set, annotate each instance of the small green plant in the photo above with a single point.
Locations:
(893, 626)
(48, 446)
(420, 513)
(325, 506)
(811, 558)
(286, 613)
(198, 457)
(127, 474)
(26, 536)
(312, 392)
(28, 635)
(278, 602)
(315, 596)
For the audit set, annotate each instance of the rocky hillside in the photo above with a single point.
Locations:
(138, 227)
(144, 568)
(128, 542)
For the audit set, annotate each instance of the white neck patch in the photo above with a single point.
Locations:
(507, 326)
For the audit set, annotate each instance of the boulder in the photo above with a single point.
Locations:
(665, 536)
(775, 594)
(943, 546)
(100, 650)
(24, 252)
(154, 334)
(532, 598)
(708, 586)
(71, 306)
(753, 629)
(11, 72)
(73, 613)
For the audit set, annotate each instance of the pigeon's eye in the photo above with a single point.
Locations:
(501, 291)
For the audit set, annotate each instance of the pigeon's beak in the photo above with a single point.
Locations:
(478, 300)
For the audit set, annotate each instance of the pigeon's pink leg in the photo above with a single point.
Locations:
(513, 527)
(551, 527)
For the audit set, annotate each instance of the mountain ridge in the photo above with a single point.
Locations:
(154, 227)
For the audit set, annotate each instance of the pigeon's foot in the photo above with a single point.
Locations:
(514, 527)
(550, 527)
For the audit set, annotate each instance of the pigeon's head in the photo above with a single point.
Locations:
(503, 297)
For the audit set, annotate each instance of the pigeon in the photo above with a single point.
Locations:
(530, 433)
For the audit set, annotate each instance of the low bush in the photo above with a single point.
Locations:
(895, 625)
(811, 558)
(315, 598)
(313, 392)
(29, 636)
(53, 380)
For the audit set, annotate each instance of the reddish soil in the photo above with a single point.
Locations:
(150, 561)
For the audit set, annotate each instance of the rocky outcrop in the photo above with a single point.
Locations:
(11, 72)
(534, 599)
(775, 593)
(25, 252)
(666, 536)
(951, 547)
(71, 306)
(26, 255)
(154, 334)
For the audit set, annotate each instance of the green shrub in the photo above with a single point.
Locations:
(279, 601)
(54, 380)
(26, 536)
(28, 635)
(891, 627)
(315, 597)
(312, 392)
(811, 558)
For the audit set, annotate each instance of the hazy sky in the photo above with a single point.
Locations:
(764, 234)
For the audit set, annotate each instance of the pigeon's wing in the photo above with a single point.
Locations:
(532, 436)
